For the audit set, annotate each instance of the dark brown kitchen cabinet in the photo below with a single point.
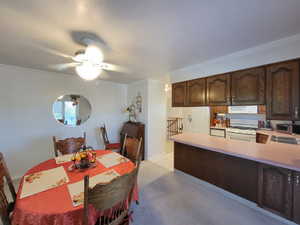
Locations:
(236, 175)
(275, 190)
(283, 91)
(218, 90)
(196, 92)
(199, 163)
(296, 202)
(179, 94)
(240, 177)
(248, 87)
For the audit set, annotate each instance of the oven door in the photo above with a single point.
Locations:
(241, 137)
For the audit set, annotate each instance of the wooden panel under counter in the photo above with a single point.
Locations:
(235, 175)
(267, 174)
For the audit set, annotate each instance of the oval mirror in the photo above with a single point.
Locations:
(72, 110)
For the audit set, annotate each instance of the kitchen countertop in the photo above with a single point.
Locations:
(272, 153)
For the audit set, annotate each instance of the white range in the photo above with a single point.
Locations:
(241, 129)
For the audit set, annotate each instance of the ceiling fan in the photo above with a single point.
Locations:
(88, 62)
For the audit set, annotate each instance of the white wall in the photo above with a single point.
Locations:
(157, 119)
(153, 114)
(133, 90)
(284, 49)
(27, 123)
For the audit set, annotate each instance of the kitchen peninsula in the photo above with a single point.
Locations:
(267, 174)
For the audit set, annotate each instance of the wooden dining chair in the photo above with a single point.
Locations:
(114, 197)
(6, 207)
(108, 145)
(132, 149)
(69, 145)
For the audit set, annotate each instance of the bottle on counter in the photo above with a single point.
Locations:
(268, 124)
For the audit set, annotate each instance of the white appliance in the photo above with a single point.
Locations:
(252, 109)
(242, 129)
(241, 134)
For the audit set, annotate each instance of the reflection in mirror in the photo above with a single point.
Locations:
(72, 110)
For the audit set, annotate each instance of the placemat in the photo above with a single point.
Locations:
(43, 180)
(111, 159)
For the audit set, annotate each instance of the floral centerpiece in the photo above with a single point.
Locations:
(84, 159)
(132, 113)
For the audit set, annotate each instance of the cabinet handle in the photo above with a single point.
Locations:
(289, 178)
(296, 112)
(297, 180)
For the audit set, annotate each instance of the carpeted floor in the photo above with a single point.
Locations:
(173, 198)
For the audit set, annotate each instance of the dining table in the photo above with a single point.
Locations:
(55, 205)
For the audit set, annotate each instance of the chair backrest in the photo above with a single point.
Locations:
(4, 204)
(132, 149)
(114, 196)
(104, 135)
(69, 145)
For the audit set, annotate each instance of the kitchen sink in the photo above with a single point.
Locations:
(286, 140)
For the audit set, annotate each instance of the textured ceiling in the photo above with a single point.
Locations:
(149, 37)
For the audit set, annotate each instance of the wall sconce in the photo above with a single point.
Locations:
(167, 87)
(138, 102)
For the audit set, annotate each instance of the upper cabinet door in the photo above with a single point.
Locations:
(283, 91)
(179, 94)
(196, 92)
(218, 90)
(248, 87)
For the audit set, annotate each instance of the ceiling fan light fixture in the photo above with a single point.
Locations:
(88, 71)
(94, 54)
(80, 56)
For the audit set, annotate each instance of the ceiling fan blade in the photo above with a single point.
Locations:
(51, 50)
(55, 52)
(114, 68)
(63, 66)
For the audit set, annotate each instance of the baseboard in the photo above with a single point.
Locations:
(243, 201)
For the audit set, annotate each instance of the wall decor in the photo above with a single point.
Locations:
(138, 102)
(71, 110)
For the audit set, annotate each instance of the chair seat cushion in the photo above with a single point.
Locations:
(113, 146)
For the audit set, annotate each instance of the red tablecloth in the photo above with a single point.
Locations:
(54, 206)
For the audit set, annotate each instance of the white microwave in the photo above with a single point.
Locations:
(251, 109)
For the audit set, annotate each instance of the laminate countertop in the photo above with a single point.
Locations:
(272, 153)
